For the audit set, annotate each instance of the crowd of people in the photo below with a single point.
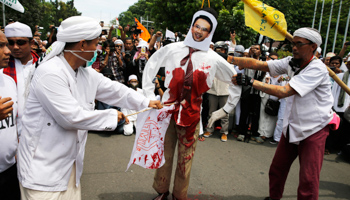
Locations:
(79, 79)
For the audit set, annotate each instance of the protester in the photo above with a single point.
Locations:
(250, 103)
(328, 57)
(308, 112)
(60, 108)
(22, 63)
(186, 91)
(9, 186)
(129, 127)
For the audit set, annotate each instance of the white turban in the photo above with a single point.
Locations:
(73, 29)
(310, 34)
(132, 77)
(120, 42)
(18, 29)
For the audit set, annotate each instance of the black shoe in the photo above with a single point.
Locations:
(162, 196)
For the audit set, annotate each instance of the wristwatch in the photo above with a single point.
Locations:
(251, 81)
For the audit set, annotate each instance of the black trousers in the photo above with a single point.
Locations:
(9, 186)
(250, 114)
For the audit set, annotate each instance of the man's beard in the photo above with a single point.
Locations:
(134, 87)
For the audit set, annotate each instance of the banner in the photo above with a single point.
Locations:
(144, 34)
(265, 19)
(151, 126)
(14, 4)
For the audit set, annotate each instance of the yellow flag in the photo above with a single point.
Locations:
(265, 19)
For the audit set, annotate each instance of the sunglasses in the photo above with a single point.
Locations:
(18, 42)
(118, 46)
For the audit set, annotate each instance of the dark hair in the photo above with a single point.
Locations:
(70, 45)
(257, 45)
(336, 58)
(209, 10)
(128, 38)
(273, 54)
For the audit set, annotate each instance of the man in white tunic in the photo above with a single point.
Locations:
(307, 115)
(22, 62)
(189, 72)
(9, 187)
(60, 110)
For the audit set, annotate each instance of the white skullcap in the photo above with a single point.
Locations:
(103, 37)
(73, 29)
(18, 29)
(120, 42)
(239, 48)
(246, 51)
(142, 43)
(330, 54)
(211, 43)
(319, 50)
(132, 77)
(348, 59)
(310, 34)
(267, 53)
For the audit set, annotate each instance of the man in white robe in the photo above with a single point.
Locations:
(60, 110)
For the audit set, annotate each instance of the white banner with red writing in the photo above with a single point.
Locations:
(151, 126)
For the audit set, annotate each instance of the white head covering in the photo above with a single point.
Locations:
(205, 44)
(142, 43)
(73, 29)
(18, 29)
(319, 50)
(247, 50)
(211, 43)
(132, 77)
(120, 42)
(348, 59)
(309, 33)
(330, 54)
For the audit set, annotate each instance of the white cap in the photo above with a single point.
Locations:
(319, 50)
(18, 29)
(132, 77)
(330, 54)
(348, 59)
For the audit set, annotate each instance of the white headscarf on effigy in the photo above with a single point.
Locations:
(309, 33)
(73, 29)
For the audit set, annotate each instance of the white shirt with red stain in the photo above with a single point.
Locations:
(206, 66)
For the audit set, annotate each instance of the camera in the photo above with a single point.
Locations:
(127, 54)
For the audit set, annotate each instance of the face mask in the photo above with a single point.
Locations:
(88, 62)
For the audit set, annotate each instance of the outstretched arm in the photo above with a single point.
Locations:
(249, 63)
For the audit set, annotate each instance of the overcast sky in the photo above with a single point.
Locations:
(102, 10)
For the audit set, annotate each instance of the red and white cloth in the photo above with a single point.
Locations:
(151, 126)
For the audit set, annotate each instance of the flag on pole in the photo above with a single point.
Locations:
(144, 34)
(151, 126)
(117, 27)
(265, 19)
(14, 4)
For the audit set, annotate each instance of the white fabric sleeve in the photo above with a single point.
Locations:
(57, 100)
(307, 80)
(152, 67)
(224, 73)
(117, 94)
(278, 67)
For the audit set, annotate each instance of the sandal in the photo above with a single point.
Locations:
(201, 138)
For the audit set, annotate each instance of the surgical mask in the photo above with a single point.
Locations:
(88, 62)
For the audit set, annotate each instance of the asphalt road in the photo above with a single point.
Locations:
(229, 170)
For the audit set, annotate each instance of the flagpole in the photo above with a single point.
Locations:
(319, 27)
(336, 28)
(329, 25)
(3, 15)
(346, 29)
(313, 21)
